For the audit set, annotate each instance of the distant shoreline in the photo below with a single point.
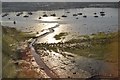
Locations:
(36, 6)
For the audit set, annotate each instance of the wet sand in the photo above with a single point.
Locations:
(38, 59)
(41, 64)
(77, 66)
(68, 65)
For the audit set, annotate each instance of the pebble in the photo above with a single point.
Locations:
(74, 72)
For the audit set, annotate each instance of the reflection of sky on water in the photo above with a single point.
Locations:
(69, 24)
(49, 18)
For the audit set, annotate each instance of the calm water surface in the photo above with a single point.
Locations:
(81, 25)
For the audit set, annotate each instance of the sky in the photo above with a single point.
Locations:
(60, 0)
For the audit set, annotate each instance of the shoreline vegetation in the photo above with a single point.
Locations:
(15, 56)
(61, 35)
(99, 46)
(95, 46)
(10, 40)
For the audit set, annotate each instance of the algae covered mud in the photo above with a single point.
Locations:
(61, 43)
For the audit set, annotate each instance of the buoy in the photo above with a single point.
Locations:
(68, 12)
(58, 18)
(14, 22)
(37, 33)
(39, 17)
(77, 18)
(95, 13)
(9, 18)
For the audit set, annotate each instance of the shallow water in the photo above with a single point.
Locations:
(80, 26)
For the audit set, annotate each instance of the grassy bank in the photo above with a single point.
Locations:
(10, 39)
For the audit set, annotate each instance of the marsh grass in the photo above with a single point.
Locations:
(61, 35)
(10, 39)
(99, 46)
(96, 46)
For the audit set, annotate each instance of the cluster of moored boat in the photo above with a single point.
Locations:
(84, 16)
(45, 15)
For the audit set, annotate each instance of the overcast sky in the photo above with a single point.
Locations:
(59, 0)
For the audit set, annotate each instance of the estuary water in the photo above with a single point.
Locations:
(72, 24)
